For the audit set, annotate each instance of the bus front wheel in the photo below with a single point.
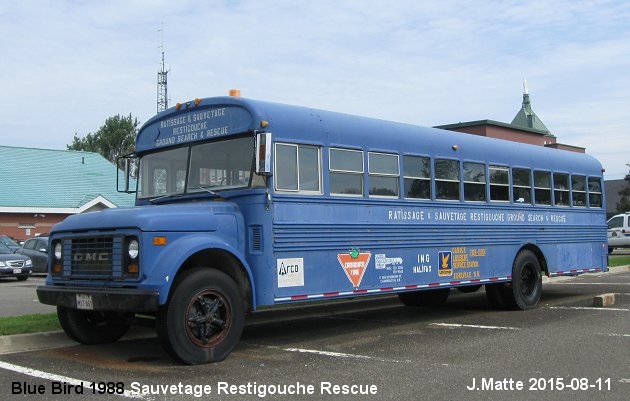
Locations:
(92, 327)
(203, 318)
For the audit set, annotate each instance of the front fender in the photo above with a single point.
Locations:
(172, 258)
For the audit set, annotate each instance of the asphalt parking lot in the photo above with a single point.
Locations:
(564, 349)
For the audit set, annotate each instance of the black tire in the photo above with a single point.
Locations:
(498, 296)
(610, 249)
(526, 281)
(525, 289)
(203, 318)
(92, 327)
(469, 289)
(424, 298)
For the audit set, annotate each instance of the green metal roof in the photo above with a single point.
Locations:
(57, 179)
(526, 117)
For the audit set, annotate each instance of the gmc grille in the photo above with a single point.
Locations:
(95, 257)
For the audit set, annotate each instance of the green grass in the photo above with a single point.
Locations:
(29, 324)
(621, 260)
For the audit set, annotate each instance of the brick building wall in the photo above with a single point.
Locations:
(23, 226)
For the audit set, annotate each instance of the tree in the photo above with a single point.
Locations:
(114, 139)
(624, 202)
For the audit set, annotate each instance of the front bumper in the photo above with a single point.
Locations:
(103, 299)
(11, 272)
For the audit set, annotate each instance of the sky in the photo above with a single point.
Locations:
(68, 65)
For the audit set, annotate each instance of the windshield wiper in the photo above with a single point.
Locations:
(206, 189)
(178, 195)
(164, 197)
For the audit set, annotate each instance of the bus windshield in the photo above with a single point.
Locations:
(209, 166)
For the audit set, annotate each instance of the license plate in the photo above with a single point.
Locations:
(84, 302)
(17, 271)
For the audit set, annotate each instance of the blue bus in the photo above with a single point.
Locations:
(243, 203)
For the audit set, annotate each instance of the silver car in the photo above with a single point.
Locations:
(13, 264)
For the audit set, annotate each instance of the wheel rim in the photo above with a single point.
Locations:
(528, 280)
(208, 318)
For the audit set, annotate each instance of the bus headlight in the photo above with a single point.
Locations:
(133, 249)
(57, 250)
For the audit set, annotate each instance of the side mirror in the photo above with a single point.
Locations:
(263, 153)
(128, 164)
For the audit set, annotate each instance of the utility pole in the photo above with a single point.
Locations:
(162, 80)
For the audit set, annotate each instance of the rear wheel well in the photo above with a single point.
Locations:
(539, 255)
(224, 261)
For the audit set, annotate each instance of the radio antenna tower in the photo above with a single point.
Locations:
(162, 79)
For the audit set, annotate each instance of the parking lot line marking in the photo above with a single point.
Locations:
(473, 326)
(341, 355)
(614, 335)
(53, 377)
(590, 308)
(573, 283)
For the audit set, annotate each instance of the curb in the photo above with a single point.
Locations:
(34, 342)
(57, 339)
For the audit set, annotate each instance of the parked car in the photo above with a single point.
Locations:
(9, 242)
(13, 264)
(37, 249)
(619, 231)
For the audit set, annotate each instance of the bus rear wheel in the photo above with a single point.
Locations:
(424, 298)
(92, 327)
(525, 289)
(526, 281)
(203, 319)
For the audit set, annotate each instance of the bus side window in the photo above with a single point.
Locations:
(594, 192)
(286, 177)
(474, 182)
(417, 177)
(542, 187)
(578, 190)
(522, 185)
(561, 189)
(383, 172)
(499, 184)
(346, 172)
(297, 168)
(447, 179)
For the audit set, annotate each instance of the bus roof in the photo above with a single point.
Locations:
(223, 116)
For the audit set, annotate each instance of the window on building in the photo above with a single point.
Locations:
(346, 172)
(447, 179)
(417, 177)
